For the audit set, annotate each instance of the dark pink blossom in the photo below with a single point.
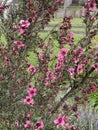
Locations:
(93, 18)
(32, 91)
(27, 124)
(66, 119)
(39, 125)
(92, 6)
(95, 66)
(17, 123)
(72, 34)
(24, 23)
(1, 8)
(60, 121)
(58, 68)
(28, 100)
(50, 76)
(16, 26)
(77, 115)
(32, 69)
(84, 12)
(80, 69)
(22, 31)
(19, 44)
(63, 52)
(60, 1)
(29, 115)
(72, 127)
(71, 71)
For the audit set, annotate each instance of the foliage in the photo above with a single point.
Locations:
(29, 92)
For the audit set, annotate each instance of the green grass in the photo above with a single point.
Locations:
(75, 21)
(77, 37)
(56, 20)
(78, 29)
(78, 22)
(3, 39)
(75, 7)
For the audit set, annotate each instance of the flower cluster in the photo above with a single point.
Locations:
(61, 56)
(89, 7)
(63, 121)
(32, 91)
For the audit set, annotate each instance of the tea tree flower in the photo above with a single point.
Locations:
(1, 8)
(80, 69)
(62, 53)
(24, 23)
(32, 91)
(32, 69)
(39, 125)
(95, 66)
(60, 121)
(19, 44)
(28, 100)
(71, 71)
(27, 124)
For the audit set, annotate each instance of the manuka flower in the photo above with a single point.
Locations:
(59, 121)
(39, 125)
(19, 44)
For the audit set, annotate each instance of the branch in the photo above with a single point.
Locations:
(70, 93)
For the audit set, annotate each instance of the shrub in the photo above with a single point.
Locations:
(28, 91)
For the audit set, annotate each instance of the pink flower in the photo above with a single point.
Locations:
(29, 115)
(32, 91)
(60, 58)
(64, 39)
(72, 34)
(39, 125)
(32, 69)
(60, 121)
(58, 69)
(63, 52)
(28, 100)
(16, 26)
(66, 119)
(72, 127)
(77, 116)
(95, 66)
(17, 123)
(96, 56)
(1, 8)
(22, 31)
(84, 12)
(27, 124)
(93, 18)
(60, 1)
(80, 69)
(71, 71)
(92, 6)
(81, 52)
(25, 23)
(50, 76)
(19, 44)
